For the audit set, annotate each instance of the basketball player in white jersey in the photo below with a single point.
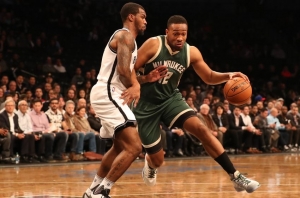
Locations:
(118, 122)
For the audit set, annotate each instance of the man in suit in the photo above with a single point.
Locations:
(24, 143)
(220, 118)
(295, 129)
(5, 144)
(236, 129)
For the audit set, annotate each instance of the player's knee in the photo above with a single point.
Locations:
(157, 161)
(135, 149)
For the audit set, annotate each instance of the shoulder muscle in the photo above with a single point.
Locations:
(147, 51)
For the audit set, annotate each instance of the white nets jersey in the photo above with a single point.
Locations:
(105, 95)
(108, 71)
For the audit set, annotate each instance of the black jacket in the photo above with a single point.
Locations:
(4, 120)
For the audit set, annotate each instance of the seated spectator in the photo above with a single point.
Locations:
(274, 125)
(189, 101)
(81, 124)
(1, 95)
(68, 125)
(10, 121)
(260, 122)
(77, 79)
(5, 139)
(40, 123)
(174, 139)
(26, 126)
(95, 124)
(51, 94)
(221, 120)
(21, 86)
(251, 135)
(71, 95)
(59, 67)
(56, 118)
(295, 129)
(48, 67)
(253, 112)
(38, 94)
(236, 129)
(286, 127)
(207, 120)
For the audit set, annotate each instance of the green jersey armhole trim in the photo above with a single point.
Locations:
(188, 55)
(158, 51)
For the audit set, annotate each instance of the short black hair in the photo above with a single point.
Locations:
(52, 99)
(176, 19)
(130, 8)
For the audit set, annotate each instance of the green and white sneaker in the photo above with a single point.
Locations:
(242, 183)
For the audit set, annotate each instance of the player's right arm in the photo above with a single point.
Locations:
(145, 53)
(124, 44)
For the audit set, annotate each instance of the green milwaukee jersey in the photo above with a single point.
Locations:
(177, 62)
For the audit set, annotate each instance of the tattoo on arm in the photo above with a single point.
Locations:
(124, 52)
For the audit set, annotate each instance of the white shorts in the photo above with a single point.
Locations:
(108, 107)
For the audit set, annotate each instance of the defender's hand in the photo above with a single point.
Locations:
(132, 93)
(157, 73)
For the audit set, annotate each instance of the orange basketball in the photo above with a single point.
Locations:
(237, 91)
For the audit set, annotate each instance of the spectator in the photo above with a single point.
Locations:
(12, 87)
(21, 86)
(295, 129)
(82, 125)
(1, 95)
(26, 126)
(274, 125)
(51, 94)
(32, 84)
(236, 129)
(57, 90)
(59, 67)
(38, 94)
(221, 119)
(5, 81)
(48, 67)
(207, 120)
(68, 125)
(253, 112)
(77, 79)
(10, 121)
(5, 139)
(95, 124)
(56, 118)
(285, 129)
(189, 101)
(40, 123)
(71, 95)
(251, 134)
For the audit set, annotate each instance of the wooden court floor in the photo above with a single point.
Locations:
(279, 175)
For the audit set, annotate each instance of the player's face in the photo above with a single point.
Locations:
(140, 21)
(176, 36)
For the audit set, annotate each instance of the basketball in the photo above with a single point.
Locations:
(237, 91)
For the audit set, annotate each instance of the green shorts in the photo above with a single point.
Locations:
(172, 112)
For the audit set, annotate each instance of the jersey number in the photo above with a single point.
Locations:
(165, 79)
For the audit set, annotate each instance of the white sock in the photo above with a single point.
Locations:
(107, 183)
(97, 180)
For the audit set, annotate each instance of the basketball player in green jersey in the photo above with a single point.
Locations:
(166, 58)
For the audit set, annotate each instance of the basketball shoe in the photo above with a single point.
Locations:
(149, 174)
(89, 191)
(242, 183)
(100, 192)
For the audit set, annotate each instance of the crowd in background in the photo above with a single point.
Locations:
(50, 53)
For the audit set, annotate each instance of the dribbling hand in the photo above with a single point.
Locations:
(238, 74)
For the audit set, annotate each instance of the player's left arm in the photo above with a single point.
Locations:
(206, 74)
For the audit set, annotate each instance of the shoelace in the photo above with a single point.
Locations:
(242, 181)
(151, 173)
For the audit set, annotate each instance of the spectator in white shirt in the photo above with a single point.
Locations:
(251, 134)
(59, 67)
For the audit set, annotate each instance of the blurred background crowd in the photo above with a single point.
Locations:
(50, 53)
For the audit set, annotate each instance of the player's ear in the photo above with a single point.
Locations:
(130, 17)
(167, 31)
